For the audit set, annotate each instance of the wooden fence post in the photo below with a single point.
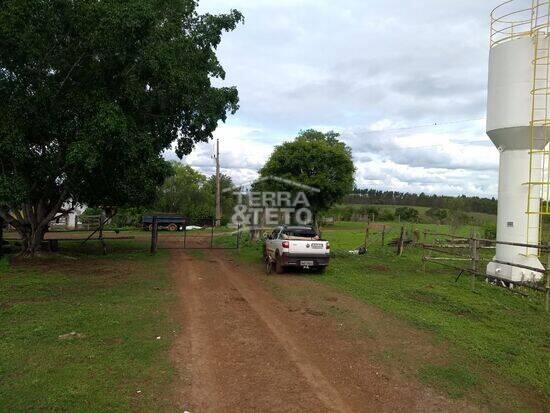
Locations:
(239, 237)
(426, 258)
(474, 257)
(212, 235)
(400, 242)
(366, 235)
(102, 221)
(184, 234)
(154, 235)
(383, 233)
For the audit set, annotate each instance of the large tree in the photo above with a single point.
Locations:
(185, 193)
(315, 159)
(92, 92)
(191, 193)
(227, 198)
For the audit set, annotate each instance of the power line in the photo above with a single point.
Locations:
(447, 144)
(431, 125)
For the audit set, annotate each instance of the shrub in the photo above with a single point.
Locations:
(458, 219)
(437, 213)
(373, 212)
(490, 231)
(346, 213)
(407, 214)
(366, 212)
(386, 215)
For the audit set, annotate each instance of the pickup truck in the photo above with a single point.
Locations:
(295, 246)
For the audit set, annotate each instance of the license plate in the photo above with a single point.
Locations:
(317, 246)
(306, 263)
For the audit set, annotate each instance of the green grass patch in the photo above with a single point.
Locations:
(4, 265)
(117, 305)
(456, 381)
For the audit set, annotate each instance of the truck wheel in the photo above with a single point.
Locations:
(172, 227)
(150, 227)
(268, 266)
(279, 269)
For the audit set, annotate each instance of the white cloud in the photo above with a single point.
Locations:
(360, 66)
(243, 151)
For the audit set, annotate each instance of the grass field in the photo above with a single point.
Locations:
(499, 340)
(477, 218)
(496, 342)
(117, 305)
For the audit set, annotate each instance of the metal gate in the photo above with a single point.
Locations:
(196, 234)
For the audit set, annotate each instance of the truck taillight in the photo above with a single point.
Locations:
(286, 244)
(328, 246)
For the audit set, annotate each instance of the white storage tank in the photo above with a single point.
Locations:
(510, 113)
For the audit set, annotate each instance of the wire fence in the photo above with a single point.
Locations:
(467, 255)
(472, 254)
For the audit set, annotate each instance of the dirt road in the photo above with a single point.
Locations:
(286, 344)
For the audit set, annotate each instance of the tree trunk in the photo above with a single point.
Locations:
(32, 222)
(317, 224)
(32, 239)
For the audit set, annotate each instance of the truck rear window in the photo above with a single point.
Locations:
(298, 232)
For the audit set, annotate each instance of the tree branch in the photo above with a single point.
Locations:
(70, 73)
(18, 216)
(54, 209)
(6, 216)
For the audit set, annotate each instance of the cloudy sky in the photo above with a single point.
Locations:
(404, 82)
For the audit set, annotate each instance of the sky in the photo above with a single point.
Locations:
(403, 82)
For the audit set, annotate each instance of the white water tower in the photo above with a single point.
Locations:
(518, 123)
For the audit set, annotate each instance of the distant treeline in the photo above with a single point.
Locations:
(461, 203)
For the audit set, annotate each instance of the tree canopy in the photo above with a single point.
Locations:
(190, 193)
(463, 202)
(315, 159)
(91, 94)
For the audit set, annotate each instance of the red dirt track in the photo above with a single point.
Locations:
(244, 347)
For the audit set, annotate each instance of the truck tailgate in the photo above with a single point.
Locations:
(308, 248)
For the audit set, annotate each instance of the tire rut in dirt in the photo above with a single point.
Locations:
(236, 364)
(263, 304)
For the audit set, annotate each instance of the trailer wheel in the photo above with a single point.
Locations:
(172, 227)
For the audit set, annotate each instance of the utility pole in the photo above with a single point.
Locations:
(218, 185)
